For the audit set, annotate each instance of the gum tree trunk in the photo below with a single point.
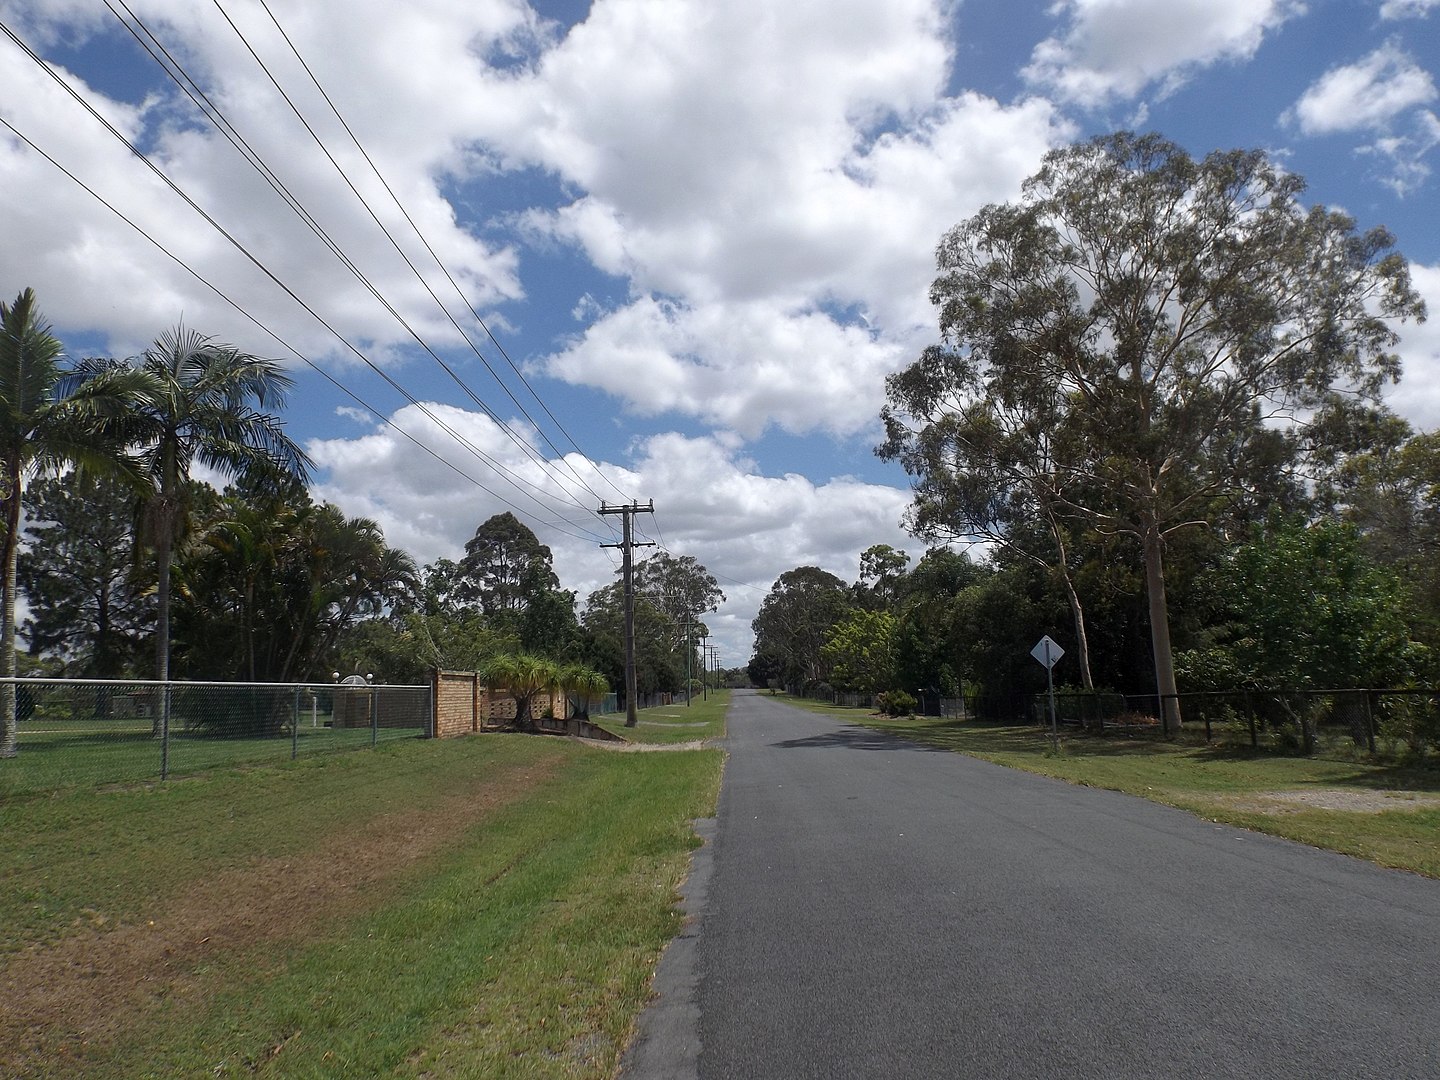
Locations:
(1154, 545)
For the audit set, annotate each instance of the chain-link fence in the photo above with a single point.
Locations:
(80, 732)
(1299, 721)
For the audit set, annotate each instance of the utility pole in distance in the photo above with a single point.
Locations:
(712, 660)
(627, 543)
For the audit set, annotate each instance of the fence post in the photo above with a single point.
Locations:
(295, 726)
(1370, 724)
(1250, 713)
(165, 730)
(374, 715)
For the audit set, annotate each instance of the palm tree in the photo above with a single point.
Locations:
(523, 676)
(202, 403)
(584, 685)
(49, 418)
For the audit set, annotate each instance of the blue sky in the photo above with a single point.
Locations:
(703, 231)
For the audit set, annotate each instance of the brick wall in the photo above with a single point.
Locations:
(460, 701)
(463, 704)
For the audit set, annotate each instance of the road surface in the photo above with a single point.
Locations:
(865, 907)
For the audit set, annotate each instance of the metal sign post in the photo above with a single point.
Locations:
(1049, 654)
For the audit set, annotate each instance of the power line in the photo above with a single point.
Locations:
(278, 339)
(504, 473)
(439, 263)
(177, 73)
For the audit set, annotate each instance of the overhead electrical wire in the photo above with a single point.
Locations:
(177, 73)
(443, 269)
(340, 171)
(277, 338)
(500, 470)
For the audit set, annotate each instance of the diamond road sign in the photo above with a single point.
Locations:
(1047, 652)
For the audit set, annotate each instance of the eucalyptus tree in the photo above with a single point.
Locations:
(680, 588)
(504, 565)
(986, 468)
(796, 615)
(1166, 320)
(50, 417)
(659, 640)
(203, 401)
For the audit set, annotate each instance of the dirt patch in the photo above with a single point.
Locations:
(645, 748)
(1351, 800)
(58, 1001)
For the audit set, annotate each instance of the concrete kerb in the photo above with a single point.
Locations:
(666, 1045)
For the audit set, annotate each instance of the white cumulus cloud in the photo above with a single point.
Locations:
(710, 501)
(1367, 94)
(1407, 9)
(1417, 397)
(1115, 49)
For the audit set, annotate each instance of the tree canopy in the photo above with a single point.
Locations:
(1138, 341)
(505, 566)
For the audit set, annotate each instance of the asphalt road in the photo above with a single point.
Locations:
(869, 908)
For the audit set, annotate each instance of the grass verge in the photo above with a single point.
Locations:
(490, 906)
(1333, 804)
(703, 718)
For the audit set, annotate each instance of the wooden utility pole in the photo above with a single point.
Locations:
(627, 543)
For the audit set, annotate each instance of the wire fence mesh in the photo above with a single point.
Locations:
(1300, 721)
(85, 732)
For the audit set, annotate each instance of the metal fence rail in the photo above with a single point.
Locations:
(75, 732)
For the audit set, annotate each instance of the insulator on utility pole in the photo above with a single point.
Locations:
(627, 543)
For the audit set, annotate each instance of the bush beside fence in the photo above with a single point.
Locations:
(82, 732)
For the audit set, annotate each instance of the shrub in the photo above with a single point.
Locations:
(895, 703)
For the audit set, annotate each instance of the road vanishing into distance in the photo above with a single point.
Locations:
(865, 907)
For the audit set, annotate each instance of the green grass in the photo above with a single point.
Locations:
(702, 719)
(1219, 783)
(79, 753)
(523, 947)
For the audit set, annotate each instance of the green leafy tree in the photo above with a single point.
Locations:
(1167, 318)
(270, 583)
(1301, 606)
(49, 418)
(929, 640)
(522, 676)
(1390, 491)
(765, 669)
(860, 650)
(986, 470)
(882, 573)
(441, 585)
(90, 603)
(795, 616)
(548, 625)
(996, 621)
(681, 589)
(505, 566)
(202, 402)
(583, 686)
(659, 644)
